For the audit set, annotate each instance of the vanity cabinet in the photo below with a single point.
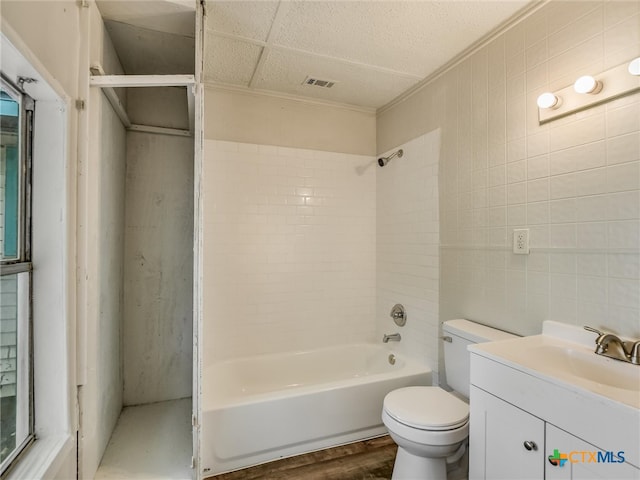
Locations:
(519, 419)
(582, 459)
(505, 441)
(509, 443)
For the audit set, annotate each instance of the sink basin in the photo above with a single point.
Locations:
(568, 361)
(559, 379)
(591, 367)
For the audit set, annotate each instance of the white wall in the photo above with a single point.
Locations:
(47, 37)
(51, 30)
(110, 283)
(158, 266)
(573, 182)
(289, 249)
(158, 106)
(407, 246)
(102, 180)
(247, 117)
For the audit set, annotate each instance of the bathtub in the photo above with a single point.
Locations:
(263, 408)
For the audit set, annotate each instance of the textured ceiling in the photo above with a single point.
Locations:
(373, 50)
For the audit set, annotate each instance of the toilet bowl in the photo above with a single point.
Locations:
(428, 424)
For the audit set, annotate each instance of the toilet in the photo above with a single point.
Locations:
(429, 424)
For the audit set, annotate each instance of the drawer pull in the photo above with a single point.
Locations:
(529, 445)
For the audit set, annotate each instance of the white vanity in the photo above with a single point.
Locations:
(547, 399)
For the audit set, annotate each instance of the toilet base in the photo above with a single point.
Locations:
(409, 467)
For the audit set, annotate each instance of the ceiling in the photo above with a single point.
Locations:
(373, 50)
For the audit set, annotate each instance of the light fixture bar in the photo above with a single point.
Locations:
(615, 82)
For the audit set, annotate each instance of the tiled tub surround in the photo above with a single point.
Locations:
(262, 408)
(289, 249)
(407, 239)
(574, 182)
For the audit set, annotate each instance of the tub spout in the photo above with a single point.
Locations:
(394, 336)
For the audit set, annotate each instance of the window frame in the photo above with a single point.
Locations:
(22, 265)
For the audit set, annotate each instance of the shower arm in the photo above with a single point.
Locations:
(382, 161)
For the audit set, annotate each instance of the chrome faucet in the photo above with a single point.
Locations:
(394, 336)
(635, 353)
(624, 351)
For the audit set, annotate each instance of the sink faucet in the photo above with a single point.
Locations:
(394, 336)
(625, 351)
(635, 353)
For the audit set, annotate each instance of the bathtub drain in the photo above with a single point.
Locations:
(392, 359)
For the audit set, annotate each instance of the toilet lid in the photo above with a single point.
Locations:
(426, 408)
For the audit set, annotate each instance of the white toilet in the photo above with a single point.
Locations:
(430, 424)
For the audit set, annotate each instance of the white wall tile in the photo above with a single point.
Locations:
(581, 172)
(623, 206)
(616, 11)
(538, 213)
(623, 120)
(406, 264)
(583, 157)
(580, 132)
(289, 248)
(591, 182)
(592, 264)
(562, 186)
(625, 148)
(517, 171)
(517, 215)
(592, 208)
(576, 32)
(623, 177)
(563, 211)
(624, 234)
(592, 289)
(622, 35)
(593, 235)
(538, 167)
(563, 235)
(516, 193)
(538, 190)
(624, 292)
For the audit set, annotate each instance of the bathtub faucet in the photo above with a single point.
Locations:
(394, 336)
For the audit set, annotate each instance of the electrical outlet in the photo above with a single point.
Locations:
(521, 241)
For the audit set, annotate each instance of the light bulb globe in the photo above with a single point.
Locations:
(547, 100)
(587, 84)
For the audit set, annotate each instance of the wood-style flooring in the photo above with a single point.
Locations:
(367, 460)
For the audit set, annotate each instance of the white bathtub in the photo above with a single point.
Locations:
(263, 408)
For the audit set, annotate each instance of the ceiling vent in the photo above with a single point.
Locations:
(319, 83)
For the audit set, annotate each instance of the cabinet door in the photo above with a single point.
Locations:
(581, 459)
(505, 442)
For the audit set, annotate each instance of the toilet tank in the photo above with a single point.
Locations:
(456, 356)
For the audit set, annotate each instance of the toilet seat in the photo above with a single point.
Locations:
(426, 408)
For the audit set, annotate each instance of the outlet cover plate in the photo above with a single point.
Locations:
(521, 241)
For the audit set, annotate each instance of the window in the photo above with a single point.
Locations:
(16, 402)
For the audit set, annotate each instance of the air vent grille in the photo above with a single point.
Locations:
(319, 83)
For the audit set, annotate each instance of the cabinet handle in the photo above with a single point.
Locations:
(529, 445)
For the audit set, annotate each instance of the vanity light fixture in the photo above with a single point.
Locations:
(548, 100)
(587, 85)
(589, 91)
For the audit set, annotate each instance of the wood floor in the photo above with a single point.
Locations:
(368, 460)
